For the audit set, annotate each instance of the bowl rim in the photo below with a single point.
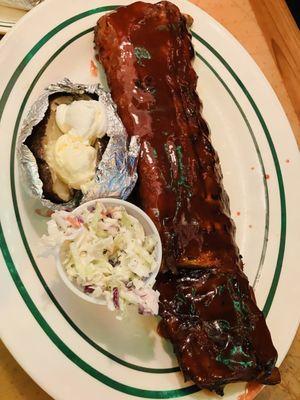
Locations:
(128, 206)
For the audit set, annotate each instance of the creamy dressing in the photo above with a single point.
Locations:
(106, 254)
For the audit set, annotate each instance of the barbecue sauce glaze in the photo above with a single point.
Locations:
(207, 307)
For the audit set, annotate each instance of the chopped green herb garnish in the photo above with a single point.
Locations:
(182, 178)
(222, 360)
(192, 308)
(155, 153)
(223, 325)
(166, 147)
(237, 295)
(180, 298)
(245, 309)
(141, 54)
(231, 362)
(237, 350)
(220, 289)
(237, 306)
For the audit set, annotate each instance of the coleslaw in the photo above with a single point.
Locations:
(106, 254)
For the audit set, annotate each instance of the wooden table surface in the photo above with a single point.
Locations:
(266, 29)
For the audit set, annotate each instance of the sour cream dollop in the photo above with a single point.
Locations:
(82, 118)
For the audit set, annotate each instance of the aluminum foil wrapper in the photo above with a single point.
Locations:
(115, 174)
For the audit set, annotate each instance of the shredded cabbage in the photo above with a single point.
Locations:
(106, 254)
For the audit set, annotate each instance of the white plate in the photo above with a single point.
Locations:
(9, 17)
(75, 350)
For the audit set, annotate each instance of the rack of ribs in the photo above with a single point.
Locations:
(207, 306)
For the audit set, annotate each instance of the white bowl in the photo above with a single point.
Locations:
(149, 228)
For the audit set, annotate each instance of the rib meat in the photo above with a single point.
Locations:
(207, 307)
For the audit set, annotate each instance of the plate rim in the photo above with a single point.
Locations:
(243, 49)
(28, 249)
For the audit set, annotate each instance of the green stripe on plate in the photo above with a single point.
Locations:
(24, 239)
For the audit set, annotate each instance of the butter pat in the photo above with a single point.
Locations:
(74, 161)
(82, 118)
